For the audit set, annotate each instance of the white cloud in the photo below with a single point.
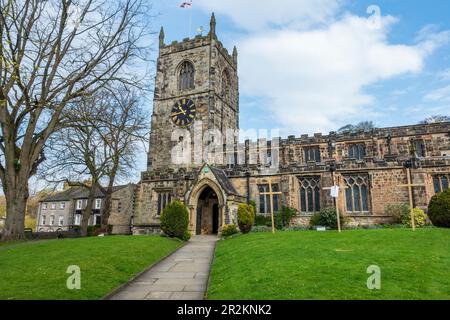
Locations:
(439, 95)
(444, 75)
(315, 79)
(258, 14)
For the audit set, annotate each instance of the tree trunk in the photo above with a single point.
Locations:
(15, 187)
(87, 212)
(15, 216)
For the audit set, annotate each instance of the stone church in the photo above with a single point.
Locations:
(197, 94)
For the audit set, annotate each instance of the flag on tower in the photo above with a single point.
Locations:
(186, 5)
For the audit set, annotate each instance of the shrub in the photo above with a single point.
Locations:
(315, 219)
(261, 229)
(296, 228)
(398, 211)
(246, 217)
(229, 230)
(175, 220)
(420, 218)
(261, 220)
(187, 235)
(327, 218)
(439, 209)
(253, 204)
(98, 231)
(92, 231)
(283, 218)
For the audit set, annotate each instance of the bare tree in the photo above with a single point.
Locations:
(123, 127)
(98, 144)
(435, 119)
(52, 53)
(363, 125)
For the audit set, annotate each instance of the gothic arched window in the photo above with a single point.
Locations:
(357, 194)
(226, 86)
(186, 76)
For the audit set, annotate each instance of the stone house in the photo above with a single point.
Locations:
(62, 211)
(197, 91)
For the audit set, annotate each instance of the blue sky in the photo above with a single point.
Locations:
(313, 66)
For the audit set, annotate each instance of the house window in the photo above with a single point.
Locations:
(164, 198)
(357, 194)
(97, 220)
(119, 206)
(357, 151)
(79, 204)
(52, 220)
(186, 76)
(312, 154)
(441, 182)
(53, 206)
(264, 200)
(98, 203)
(77, 219)
(62, 205)
(309, 194)
(61, 221)
(43, 219)
(45, 206)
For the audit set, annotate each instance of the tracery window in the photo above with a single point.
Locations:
(441, 182)
(186, 76)
(357, 194)
(264, 199)
(309, 194)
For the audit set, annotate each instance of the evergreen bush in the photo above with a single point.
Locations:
(175, 220)
(439, 209)
(327, 218)
(229, 230)
(246, 217)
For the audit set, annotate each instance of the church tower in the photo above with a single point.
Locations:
(196, 89)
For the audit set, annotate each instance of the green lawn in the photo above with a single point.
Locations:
(37, 270)
(315, 265)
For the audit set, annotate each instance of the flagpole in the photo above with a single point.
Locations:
(190, 21)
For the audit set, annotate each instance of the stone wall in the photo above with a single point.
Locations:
(122, 210)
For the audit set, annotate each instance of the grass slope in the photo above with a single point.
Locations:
(37, 270)
(313, 265)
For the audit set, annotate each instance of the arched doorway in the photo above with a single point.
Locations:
(207, 221)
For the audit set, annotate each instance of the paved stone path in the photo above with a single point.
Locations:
(181, 276)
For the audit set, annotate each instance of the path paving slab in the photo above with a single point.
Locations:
(181, 276)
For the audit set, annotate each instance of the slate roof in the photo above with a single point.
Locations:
(77, 193)
(223, 180)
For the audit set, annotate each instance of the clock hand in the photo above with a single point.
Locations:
(181, 109)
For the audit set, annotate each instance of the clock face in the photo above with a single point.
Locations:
(183, 113)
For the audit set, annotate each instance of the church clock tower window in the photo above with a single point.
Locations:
(186, 77)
